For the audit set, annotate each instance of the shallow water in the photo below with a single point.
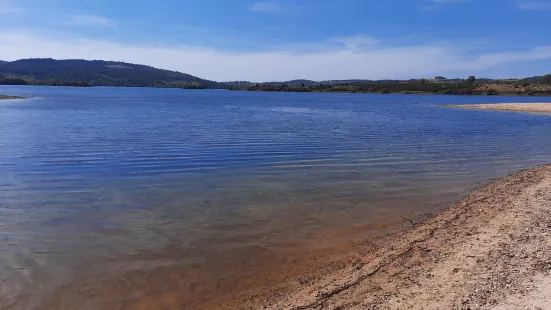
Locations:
(95, 181)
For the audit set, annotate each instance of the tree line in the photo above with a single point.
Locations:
(94, 73)
(438, 85)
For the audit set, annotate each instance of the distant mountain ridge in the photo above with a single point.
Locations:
(77, 72)
(97, 73)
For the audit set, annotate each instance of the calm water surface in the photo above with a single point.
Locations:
(101, 180)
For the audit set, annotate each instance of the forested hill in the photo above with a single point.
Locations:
(94, 73)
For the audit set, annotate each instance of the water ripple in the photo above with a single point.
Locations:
(87, 175)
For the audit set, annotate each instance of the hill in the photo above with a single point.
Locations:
(536, 86)
(293, 83)
(94, 73)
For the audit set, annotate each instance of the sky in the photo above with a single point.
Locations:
(283, 39)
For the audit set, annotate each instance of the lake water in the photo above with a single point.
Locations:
(181, 189)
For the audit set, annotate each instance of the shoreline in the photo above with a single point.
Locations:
(359, 92)
(507, 94)
(539, 107)
(6, 97)
(489, 250)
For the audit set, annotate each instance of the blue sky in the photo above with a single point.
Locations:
(284, 39)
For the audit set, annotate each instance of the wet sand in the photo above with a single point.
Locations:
(491, 250)
(515, 107)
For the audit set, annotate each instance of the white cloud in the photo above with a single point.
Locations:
(86, 21)
(534, 5)
(332, 62)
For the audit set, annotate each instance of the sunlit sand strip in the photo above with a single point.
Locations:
(517, 107)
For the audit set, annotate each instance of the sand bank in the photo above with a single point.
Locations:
(5, 97)
(518, 107)
(491, 250)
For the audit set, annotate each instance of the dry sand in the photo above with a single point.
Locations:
(491, 250)
(518, 107)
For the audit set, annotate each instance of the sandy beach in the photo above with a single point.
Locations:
(516, 107)
(491, 250)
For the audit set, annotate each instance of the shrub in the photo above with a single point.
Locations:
(491, 92)
(12, 81)
(446, 92)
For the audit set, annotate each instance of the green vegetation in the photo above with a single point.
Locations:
(545, 79)
(19, 81)
(420, 86)
(438, 85)
(12, 81)
(94, 73)
(83, 73)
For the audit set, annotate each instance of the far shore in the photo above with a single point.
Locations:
(6, 97)
(539, 107)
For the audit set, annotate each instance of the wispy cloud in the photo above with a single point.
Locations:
(272, 7)
(534, 5)
(329, 61)
(445, 1)
(7, 7)
(356, 43)
(86, 21)
(431, 4)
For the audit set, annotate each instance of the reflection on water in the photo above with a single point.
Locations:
(158, 184)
